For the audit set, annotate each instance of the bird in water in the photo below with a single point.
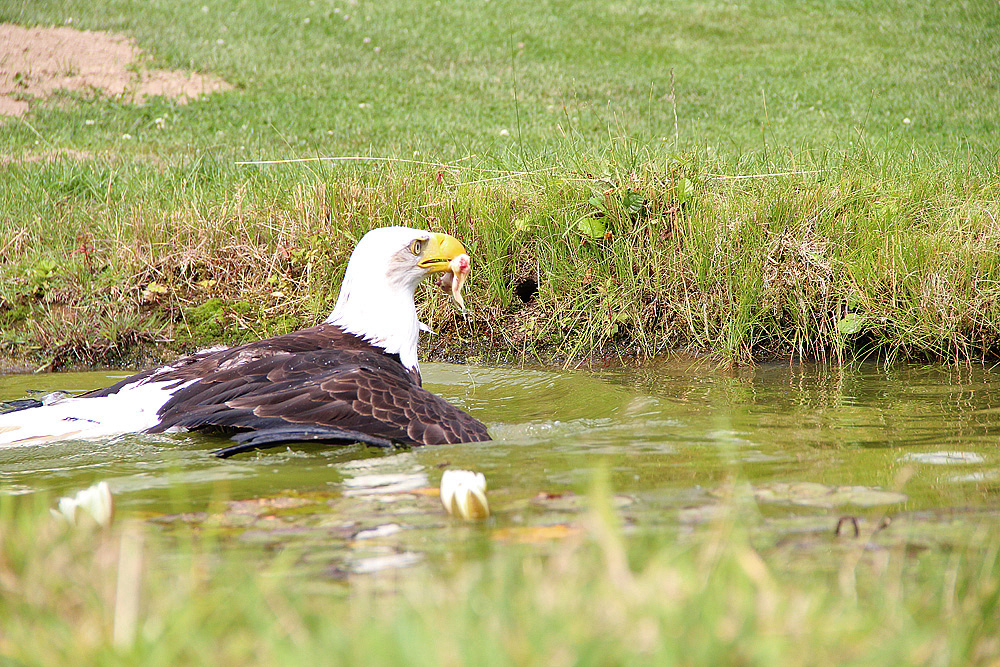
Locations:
(353, 378)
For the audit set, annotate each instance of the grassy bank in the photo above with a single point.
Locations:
(753, 182)
(131, 596)
(840, 256)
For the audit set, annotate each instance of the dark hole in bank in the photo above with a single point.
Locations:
(526, 289)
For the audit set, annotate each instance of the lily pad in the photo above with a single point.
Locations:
(571, 502)
(258, 506)
(942, 458)
(385, 530)
(535, 534)
(379, 563)
(812, 494)
(384, 483)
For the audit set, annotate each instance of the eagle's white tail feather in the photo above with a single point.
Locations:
(134, 408)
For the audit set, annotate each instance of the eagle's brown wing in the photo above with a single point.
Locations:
(314, 384)
(320, 389)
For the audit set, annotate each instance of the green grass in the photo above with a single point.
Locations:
(527, 129)
(855, 257)
(622, 155)
(131, 596)
(442, 79)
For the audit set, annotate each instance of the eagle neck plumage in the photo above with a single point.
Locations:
(391, 327)
(379, 308)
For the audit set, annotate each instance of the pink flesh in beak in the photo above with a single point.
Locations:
(458, 269)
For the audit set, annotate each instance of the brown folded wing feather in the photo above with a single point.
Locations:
(320, 377)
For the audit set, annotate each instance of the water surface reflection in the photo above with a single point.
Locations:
(674, 436)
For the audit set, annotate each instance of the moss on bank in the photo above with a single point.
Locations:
(747, 259)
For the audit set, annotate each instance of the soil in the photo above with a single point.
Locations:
(38, 62)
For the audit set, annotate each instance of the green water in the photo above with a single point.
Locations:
(799, 446)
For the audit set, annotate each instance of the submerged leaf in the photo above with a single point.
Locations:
(813, 494)
(535, 534)
(942, 458)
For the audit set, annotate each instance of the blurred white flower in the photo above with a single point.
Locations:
(906, 121)
(126, 136)
(160, 123)
(504, 133)
(95, 501)
(463, 494)
(89, 121)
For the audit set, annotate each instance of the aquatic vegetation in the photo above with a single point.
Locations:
(673, 513)
(133, 594)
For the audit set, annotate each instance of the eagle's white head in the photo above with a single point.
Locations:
(376, 297)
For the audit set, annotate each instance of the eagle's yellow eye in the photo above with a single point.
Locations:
(417, 246)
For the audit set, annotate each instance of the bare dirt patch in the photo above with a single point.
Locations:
(37, 62)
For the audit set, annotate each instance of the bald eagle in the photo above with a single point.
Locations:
(353, 378)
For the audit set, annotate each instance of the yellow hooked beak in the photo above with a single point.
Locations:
(444, 253)
(439, 251)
